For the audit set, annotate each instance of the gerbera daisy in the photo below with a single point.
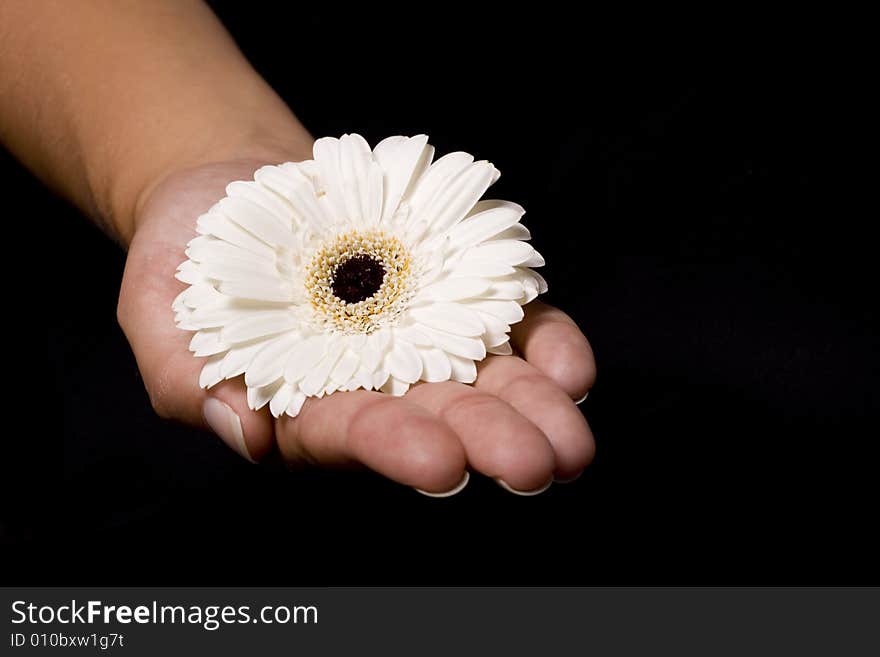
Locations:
(358, 269)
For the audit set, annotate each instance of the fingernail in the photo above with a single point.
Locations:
(458, 488)
(226, 424)
(569, 480)
(524, 493)
(584, 398)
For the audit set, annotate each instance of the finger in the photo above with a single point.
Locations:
(389, 435)
(544, 403)
(171, 373)
(239, 426)
(551, 341)
(499, 442)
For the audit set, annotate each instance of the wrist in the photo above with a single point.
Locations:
(127, 198)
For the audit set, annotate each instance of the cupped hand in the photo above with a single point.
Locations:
(517, 423)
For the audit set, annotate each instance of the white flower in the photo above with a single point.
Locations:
(358, 269)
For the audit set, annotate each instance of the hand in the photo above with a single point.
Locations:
(517, 423)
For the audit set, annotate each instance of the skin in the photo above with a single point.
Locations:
(140, 113)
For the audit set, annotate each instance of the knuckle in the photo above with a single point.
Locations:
(364, 420)
(440, 459)
(528, 384)
(293, 442)
(473, 401)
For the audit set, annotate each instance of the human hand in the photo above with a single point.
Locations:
(517, 423)
(123, 129)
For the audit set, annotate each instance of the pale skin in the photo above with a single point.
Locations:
(140, 112)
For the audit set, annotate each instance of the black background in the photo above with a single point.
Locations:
(677, 179)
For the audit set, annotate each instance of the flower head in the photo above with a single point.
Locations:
(357, 269)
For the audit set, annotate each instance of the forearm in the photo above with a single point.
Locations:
(104, 98)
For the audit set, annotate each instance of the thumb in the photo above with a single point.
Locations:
(171, 373)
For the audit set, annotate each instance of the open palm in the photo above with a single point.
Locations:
(517, 423)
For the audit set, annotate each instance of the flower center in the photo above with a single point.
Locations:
(359, 281)
(357, 278)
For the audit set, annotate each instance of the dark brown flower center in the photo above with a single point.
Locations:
(358, 278)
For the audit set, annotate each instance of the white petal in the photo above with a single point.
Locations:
(356, 341)
(402, 160)
(403, 362)
(308, 168)
(203, 295)
(265, 198)
(238, 358)
(435, 364)
(488, 218)
(374, 348)
(230, 270)
(317, 377)
(511, 252)
(456, 344)
(179, 303)
(400, 219)
(394, 387)
(259, 288)
(374, 194)
(361, 180)
(437, 178)
(509, 289)
(257, 220)
(227, 268)
(370, 356)
(508, 311)
(214, 316)
(207, 343)
(434, 261)
(188, 272)
(259, 397)
(258, 325)
(453, 201)
(492, 340)
(410, 333)
(364, 377)
(327, 160)
(210, 249)
(463, 369)
(415, 230)
(379, 377)
(502, 349)
(210, 374)
(452, 289)
(478, 268)
(449, 317)
(530, 286)
(355, 158)
(492, 323)
(515, 232)
(218, 225)
(268, 365)
(346, 367)
(281, 399)
(291, 184)
(304, 356)
(296, 403)
(536, 260)
(183, 323)
(542, 284)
